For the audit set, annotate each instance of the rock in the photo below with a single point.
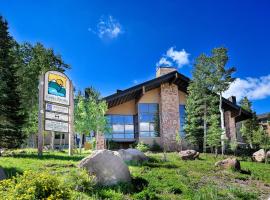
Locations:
(232, 163)
(2, 174)
(189, 154)
(259, 156)
(132, 155)
(107, 166)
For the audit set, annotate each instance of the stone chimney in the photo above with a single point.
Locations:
(232, 99)
(162, 70)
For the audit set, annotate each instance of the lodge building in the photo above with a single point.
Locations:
(155, 111)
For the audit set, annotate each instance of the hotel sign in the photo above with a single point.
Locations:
(56, 106)
(57, 88)
(57, 100)
(56, 116)
(51, 125)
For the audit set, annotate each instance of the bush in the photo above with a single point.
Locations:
(155, 147)
(34, 185)
(142, 147)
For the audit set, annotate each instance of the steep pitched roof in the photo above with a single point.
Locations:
(135, 92)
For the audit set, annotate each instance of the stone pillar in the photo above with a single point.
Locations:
(169, 116)
(230, 125)
(100, 141)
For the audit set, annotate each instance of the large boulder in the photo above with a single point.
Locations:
(2, 174)
(229, 163)
(259, 156)
(107, 166)
(132, 155)
(189, 154)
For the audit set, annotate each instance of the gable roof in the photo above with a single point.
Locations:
(135, 92)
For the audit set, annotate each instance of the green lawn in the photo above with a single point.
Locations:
(156, 179)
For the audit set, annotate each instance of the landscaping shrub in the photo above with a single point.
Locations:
(34, 185)
(155, 147)
(142, 147)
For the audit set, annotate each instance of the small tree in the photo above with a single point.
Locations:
(214, 133)
(250, 126)
(221, 79)
(262, 139)
(90, 115)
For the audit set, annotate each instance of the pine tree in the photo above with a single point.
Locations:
(11, 115)
(250, 126)
(221, 78)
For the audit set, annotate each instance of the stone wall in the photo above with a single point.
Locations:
(169, 116)
(230, 125)
(164, 70)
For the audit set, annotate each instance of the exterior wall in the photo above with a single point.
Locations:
(182, 97)
(164, 70)
(152, 96)
(169, 116)
(127, 108)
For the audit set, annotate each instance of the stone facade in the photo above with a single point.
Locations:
(164, 70)
(230, 125)
(169, 116)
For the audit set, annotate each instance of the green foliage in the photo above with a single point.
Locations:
(34, 185)
(209, 79)
(155, 179)
(214, 132)
(250, 128)
(90, 114)
(11, 107)
(143, 147)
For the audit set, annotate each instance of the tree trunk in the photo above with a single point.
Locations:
(216, 152)
(204, 129)
(222, 124)
(80, 145)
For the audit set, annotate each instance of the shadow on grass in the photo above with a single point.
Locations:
(137, 185)
(49, 157)
(11, 171)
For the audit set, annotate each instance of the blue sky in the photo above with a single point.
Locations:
(116, 44)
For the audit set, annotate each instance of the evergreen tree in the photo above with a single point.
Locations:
(214, 132)
(250, 126)
(221, 78)
(11, 115)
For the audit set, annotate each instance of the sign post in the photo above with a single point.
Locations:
(55, 106)
(40, 115)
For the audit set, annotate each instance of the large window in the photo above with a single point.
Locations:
(148, 120)
(182, 114)
(122, 126)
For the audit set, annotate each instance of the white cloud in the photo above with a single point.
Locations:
(174, 57)
(135, 81)
(107, 28)
(253, 88)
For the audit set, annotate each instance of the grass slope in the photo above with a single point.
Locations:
(156, 179)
